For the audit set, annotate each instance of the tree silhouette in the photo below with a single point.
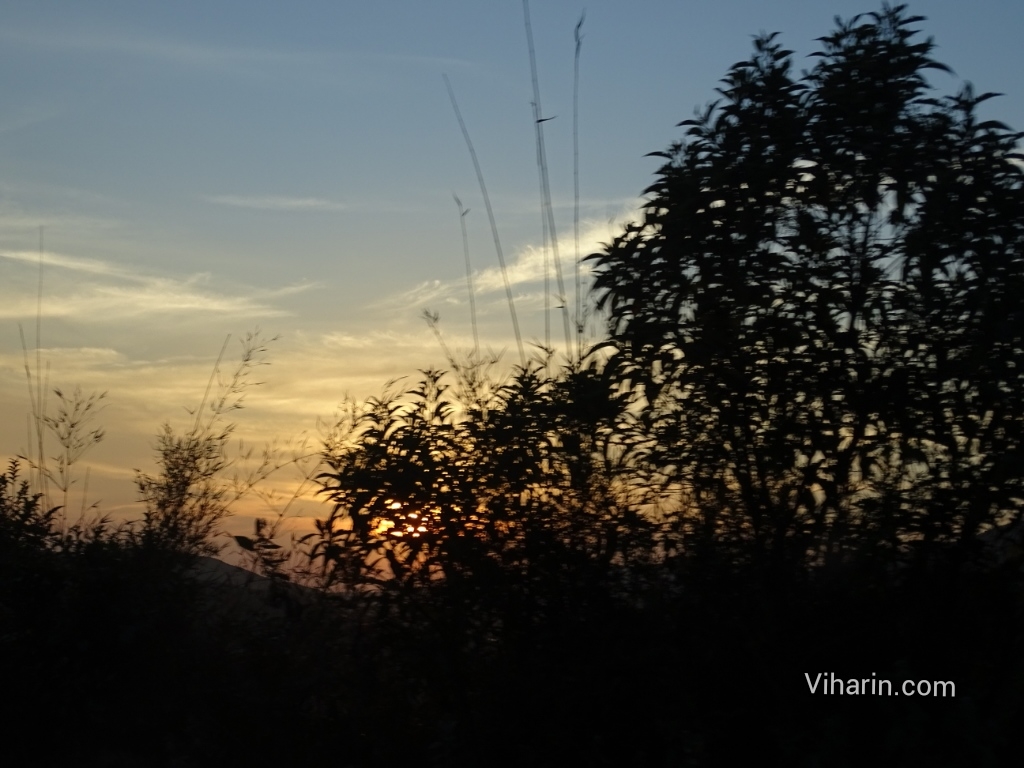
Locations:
(821, 312)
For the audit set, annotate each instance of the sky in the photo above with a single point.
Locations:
(191, 170)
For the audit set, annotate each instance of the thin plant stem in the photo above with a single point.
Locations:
(42, 387)
(545, 182)
(576, 183)
(35, 417)
(37, 390)
(85, 491)
(490, 216)
(469, 275)
(433, 320)
(39, 384)
(545, 236)
(209, 386)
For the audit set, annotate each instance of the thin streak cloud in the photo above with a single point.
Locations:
(277, 203)
(120, 294)
(73, 263)
(156, 297)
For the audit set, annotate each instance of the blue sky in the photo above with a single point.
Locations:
(203, 168)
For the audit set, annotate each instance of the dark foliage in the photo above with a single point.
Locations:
(519, 481)
(821, 310)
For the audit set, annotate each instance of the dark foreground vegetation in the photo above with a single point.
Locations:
(799, 453)
(116, 655)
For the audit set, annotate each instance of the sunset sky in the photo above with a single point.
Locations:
(205, 168)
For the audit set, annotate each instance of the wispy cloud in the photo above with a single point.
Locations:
(427, 291)
(277, 203)
(117, 293)
(73, 263)
(370, 339)
(525, 271)
(119, 303)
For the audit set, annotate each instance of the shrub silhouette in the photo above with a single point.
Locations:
(25, 524)
(515, 478)
(188, 498)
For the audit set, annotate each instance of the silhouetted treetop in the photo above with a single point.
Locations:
(821, 310)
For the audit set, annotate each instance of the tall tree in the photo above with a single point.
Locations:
(822, 310)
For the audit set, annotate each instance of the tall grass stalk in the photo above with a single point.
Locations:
(469, 275)
(70, 423)
(576, 183)
(35, 453)
(209, 384)
(545, 231)
(490, 217)
(40, 387)
(547, 210)
(37, 389)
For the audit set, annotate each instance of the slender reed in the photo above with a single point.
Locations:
(69, 423)
(542, 162)
(209, 386)
(490, 216)
(433, 320)
(469, 275)
(576, 183)
(42, 387)
(545, 232)
(85, 493)
(36, 394)
(37, 390)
